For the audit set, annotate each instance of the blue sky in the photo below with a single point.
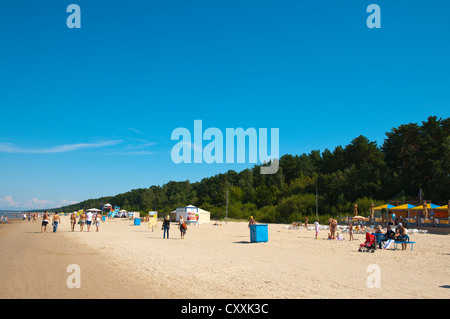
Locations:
(89, 112)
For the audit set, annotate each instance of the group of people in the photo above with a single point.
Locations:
(4, 219)
(30, 216)
(46, 220)
(385, 239)
(390, 236)
(181, 225)
(333, 226)
(83, 219)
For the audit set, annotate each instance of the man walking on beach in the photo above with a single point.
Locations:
(89, 216)
(55, 222)
(45, 221)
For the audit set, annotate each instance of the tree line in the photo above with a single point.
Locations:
(413, 158)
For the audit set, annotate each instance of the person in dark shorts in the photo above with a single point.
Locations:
(45, 221)
(183, 227)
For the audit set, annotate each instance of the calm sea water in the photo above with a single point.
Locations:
(11, 215)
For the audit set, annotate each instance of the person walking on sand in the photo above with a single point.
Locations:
(350, 231)
(73, 220)
(55, 222)
(45, 221)
(306, 222)
(166, 226)
(317, 228)
(82, 220)
(183, 227)
(98, 219)
(89, 216)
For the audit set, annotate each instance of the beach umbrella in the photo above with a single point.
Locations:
(386, 206)
(355, 210)
(404, 207)
(425, 208)
(94, 210)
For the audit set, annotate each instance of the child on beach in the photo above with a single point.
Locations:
(350, 231)
(317, 227)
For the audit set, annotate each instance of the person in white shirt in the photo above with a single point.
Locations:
(89, 216)
(317, 227)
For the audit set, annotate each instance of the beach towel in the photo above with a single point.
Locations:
(388, 243)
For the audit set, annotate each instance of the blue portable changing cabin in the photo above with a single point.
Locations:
(259, 233)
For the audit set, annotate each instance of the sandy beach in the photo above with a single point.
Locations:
(127, 261)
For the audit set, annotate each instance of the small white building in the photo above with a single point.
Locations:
(191, 214)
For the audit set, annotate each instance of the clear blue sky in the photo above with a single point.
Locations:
(89, 112)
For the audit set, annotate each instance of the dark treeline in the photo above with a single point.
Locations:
(412, 157)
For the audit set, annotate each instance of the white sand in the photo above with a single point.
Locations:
(220, 262)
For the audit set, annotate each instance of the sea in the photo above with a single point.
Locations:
(11, 214)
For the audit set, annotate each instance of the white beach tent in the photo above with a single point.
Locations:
(192, 214)
(122, 213)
